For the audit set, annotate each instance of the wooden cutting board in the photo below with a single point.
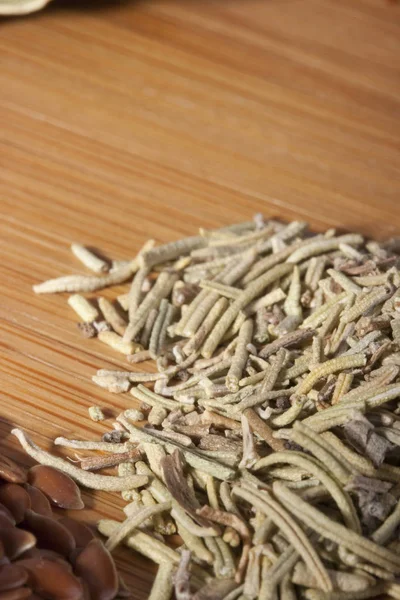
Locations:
(124, 121)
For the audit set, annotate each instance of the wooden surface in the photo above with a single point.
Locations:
(123, 121)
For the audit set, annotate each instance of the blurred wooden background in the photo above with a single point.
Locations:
(121, 121)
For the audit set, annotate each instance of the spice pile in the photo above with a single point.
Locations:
(271, 443)
(45, 557)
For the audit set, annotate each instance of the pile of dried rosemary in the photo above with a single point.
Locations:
(273, 428)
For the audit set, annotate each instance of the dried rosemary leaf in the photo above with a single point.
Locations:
(83, 283)
(275, 455)
(253, 290)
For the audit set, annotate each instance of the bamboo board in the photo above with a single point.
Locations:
(120, 122)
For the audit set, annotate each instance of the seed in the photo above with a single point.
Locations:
(15, 499)
(49, 533)
(39, 502)
(11, 577)
(80, 532)
(52, 578)
(10, 471)
(49, 552)
(60, 489)
(96, 567)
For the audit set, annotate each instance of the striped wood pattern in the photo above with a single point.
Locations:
(123, 121)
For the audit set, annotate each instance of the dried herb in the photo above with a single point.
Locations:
(273, 436)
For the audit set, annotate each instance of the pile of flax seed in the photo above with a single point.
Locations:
(268, 436)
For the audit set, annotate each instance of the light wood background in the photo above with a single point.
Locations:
(123, 121)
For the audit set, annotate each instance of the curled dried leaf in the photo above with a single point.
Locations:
(176, 482)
